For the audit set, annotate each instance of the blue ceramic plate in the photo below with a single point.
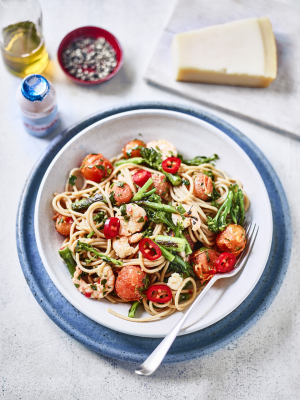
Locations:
(122, 346)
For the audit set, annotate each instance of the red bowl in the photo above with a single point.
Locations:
(92, 32)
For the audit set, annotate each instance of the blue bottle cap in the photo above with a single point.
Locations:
(35, 87)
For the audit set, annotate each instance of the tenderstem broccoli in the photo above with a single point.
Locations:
(66, 255)
(133, 309)
(232, 210)
(82, 246)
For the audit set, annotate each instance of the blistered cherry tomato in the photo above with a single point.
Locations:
(141, 177)
(171, 165)
(203, 262)
(63, 224)
(131, 149)
(225, 262)
(203, 186)
(232, 239)
(159, 293)
(149, 249)
(122, 193)
(96, 168)
(130, 283)
(111, 227)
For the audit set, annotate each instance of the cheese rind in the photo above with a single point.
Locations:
(240, 53)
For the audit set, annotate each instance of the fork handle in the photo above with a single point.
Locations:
(151, 364)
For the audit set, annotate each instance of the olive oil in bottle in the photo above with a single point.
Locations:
(23, 49)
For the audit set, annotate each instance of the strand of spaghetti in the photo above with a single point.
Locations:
(181, 307)
(77, 173)
(163, 272)
(152, 270)
(148, 319)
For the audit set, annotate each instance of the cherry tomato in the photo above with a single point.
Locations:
(171, 165)
(159, 294)
(161, 185)
(203, 262)
(225, 262)
(122, 194)
(111, 227)
(149, 249)
(131, 149)
(63, 224)
(232, 239)
(129, 283)
(203, 186)
(96, 168)
(141, 177)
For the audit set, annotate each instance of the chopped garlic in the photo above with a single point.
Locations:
(175, 281)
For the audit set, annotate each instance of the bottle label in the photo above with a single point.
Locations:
(41, 127)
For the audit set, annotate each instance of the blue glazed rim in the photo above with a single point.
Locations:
(131, 348)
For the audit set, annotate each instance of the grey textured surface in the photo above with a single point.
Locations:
(38, 360)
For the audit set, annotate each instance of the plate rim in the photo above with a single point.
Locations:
(128, 355)
(81, 307)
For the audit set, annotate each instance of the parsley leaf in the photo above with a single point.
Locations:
(112, 198)
(72, 180)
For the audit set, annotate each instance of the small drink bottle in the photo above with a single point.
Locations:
(37, 100)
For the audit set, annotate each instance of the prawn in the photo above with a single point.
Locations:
(122, 247)
(166, 148)
(129, 232)
(102, 287)
(135, 222)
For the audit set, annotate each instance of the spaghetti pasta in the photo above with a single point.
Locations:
(86, 226)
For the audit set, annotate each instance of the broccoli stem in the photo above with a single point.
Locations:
(141, 193)
(81, 246)
(135, 160)
(66, 255)
(81, 205)
(133, 309)
(188, 249)
(149, 193)
(157, 206)
(185, 266)
(242, 208)
(90, 234)
(173, 178)
(201, 160)
(170, 242)
(169, 256)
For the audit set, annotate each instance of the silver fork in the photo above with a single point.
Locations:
(151, 364)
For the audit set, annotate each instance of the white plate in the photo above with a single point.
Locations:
(191, 137)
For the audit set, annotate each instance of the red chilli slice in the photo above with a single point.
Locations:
(171, 165)
(111, 227)
(159, 294)
(225, 262)
(149, 249)
(141, 177)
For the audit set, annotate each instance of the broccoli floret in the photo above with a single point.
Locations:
(232, 210)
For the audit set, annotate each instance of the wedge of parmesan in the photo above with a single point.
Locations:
(239, 53)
